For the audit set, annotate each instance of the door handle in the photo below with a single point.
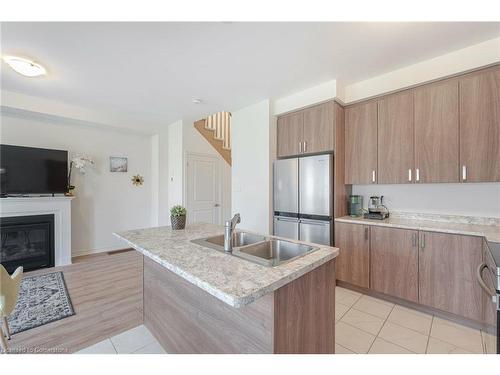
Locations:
(464, 173)
(373, 176)
(422, 241)
(217, 205)
(305, 146)
(479, 274)
(366, 233)
(417, 177)
(300, 147)
(409, 175)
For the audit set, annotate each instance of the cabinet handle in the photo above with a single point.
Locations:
(417, 172)
(422, 241)
(414, 239)
(373, 176)
(300, 147)
(305, 146)
(366, 233)
(409, 175)
(464, 173)
(479, 274)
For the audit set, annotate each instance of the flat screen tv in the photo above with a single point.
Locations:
(29, 170)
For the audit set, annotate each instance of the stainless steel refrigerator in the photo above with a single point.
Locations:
(303, 198)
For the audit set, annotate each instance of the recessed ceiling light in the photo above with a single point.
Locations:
(196, 101)
(24, 66)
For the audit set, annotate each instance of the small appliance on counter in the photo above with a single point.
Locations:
(356, 205)
(376, 209)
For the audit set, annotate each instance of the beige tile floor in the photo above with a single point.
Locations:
(137, 340)
(370, 325)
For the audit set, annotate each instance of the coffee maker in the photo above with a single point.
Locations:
(376, 208)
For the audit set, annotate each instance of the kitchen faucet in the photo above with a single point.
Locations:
(228, 232)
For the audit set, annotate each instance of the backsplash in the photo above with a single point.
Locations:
(471, 200)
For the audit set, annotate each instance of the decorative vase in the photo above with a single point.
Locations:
(178, 222)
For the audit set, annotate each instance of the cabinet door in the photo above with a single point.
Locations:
(395, 139)
(353, 262)
(318, 128)
(447, 273)
(361, 143)
(436, 132)
(289, 134)
(480, 127)
(394, 262)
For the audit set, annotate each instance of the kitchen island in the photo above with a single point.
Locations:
(200, 300)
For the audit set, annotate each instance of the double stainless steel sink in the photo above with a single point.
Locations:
(258, 249)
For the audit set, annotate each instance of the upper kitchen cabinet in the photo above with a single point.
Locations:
(480, 126)
(318, 129)
(361, 143)
(437, 132)
(395, 139)
(289, 133)
(308, 131)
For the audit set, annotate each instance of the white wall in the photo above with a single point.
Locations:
(105, 202)
(456, 199)
(316, 94)
(175, 169)
(472, 57)
(251, 172)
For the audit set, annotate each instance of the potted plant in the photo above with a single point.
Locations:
(178, 217)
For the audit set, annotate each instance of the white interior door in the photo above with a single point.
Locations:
(203, 189)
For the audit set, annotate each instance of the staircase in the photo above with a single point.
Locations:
(216, 129)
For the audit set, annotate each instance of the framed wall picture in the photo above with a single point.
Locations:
(117, 164)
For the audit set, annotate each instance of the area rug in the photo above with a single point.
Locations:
(42, 299)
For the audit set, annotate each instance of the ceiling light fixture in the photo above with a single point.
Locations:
(196, 101)
(25, 67)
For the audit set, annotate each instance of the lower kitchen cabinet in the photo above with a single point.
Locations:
(394, 262)
(353, 262)
(447, 273)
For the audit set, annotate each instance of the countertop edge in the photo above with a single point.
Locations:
(233, 301)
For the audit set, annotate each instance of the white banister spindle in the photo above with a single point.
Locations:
(220, 124)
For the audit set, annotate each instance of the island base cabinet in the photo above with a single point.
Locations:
(394, 262)
(296, 318)
(447, 273)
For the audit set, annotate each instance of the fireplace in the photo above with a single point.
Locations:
(27, 241)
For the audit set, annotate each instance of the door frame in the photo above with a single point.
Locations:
(216, 159)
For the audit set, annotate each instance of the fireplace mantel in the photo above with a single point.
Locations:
(60, 206)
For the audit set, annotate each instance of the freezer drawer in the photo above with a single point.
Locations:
(286, 227)
(286, 185)
(314, 185)
(315, 231)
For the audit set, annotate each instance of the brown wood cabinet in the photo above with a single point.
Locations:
(395, 139)
(289, 134)
(394, 262)
(480, 126)
(318, 129)
(447, 273)
(361, 143)
(309, 131)
(436, 132)
(353, 262)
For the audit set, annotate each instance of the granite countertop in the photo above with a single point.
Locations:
(472, 226)
(233, 280)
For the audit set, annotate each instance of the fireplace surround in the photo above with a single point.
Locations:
(58, 206)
